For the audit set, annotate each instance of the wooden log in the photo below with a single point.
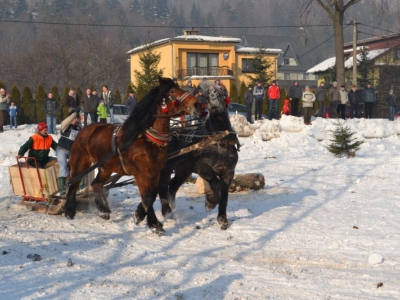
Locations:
(241, 182)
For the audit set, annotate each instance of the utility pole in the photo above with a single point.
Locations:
(354, 52)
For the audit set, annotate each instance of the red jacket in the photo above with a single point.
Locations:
(273, 92)
(286, 109)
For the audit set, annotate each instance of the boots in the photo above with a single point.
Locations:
(61, 185)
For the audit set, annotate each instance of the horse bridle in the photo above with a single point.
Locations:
(182, 99)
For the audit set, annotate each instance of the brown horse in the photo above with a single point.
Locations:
(141, 146)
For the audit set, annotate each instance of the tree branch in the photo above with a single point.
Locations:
(350, 3)
(326, 8)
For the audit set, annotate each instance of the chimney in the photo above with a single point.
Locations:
(191, 32)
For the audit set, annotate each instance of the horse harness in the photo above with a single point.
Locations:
(115, 150)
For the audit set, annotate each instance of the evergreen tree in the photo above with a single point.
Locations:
(182, 19)
(162, 10)
(233, 93)
(39, 100)
(174, 20)
(79, 93)
(364, 66)
(56, 95)
(343, 143)
(60, 8)
(129, 88)
(64, 108)
(140, 92)
(211, 31)
(245, 15)
(117, 95)
(242, 91)
(148, 76)
(226, 13)
(195, 16)
(15, 96)
(28, 106)
(135, 7)
(2, 86)
(149, 9)
(261, 67)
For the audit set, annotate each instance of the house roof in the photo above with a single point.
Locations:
(193, 38)
(374, 39)
(242, 49)
(307, 53)
(330, 62)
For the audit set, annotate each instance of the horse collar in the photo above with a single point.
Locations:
(157, 137)
(182, 98)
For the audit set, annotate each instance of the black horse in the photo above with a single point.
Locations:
(214, 163)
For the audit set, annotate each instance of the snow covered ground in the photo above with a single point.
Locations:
(322, 228)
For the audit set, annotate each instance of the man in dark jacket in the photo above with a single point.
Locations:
(334, 97)
(248, 98)
(368, 95)
(72, 100)
(320, 96)
(391, 102)
(50, 107)
(96, 99)
(295, 93)
(258, 94)
(131, 101)
(89, 106)
(355, 100)
(189, 88)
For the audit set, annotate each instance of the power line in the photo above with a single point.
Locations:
(157, 26)
(378, 28)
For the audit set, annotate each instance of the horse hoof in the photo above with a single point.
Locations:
(104, 216)
(169, 215)
(209, 206)
(171, 202)
(137, 218)
(158, 230)
(224, 227)
(69, 214)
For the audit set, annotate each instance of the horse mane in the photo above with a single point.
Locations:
(143, 115)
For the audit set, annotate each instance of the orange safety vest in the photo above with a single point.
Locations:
(41, 142)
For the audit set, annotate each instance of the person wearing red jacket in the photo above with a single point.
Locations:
(273, 95)
(285, 109)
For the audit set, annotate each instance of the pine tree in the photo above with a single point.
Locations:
(211, 31)
(148, 76)
(343, 143)
(365, 65)
(64, 108)
(15, 96)
(195, 16)
(261, 67)
(233, 93)
(79, 93)
(242, 92)
(117, 95)
(28, 106)
(39, 100)
(127, 90)
(135, 7)
(140, 92)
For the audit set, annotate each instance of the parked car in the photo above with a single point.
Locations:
(328, 112)
(120, 115)
(240, 109)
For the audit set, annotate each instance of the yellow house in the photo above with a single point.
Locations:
(193, 56)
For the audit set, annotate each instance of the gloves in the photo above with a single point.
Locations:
(77, 110)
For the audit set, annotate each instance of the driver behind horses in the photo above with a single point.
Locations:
(70, 128)
(39, 146)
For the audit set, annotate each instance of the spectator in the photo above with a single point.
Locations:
(273, 97)
(96, 99)
(89, 106)
(189, 88)
(320, 97)
(39, 146)
(175, 80)
(102, 112)
(224, 91)
(355, 100)
(294, 95)
(13, 112)
(334, 97)
(72, 100)
(258, 93)
(308, 99)
(131, 101)
(50, 106)
(368, 95)
(4, 100)
(108, 97)
(285, 108)
(70, 127)
(344, 98)
(391, 102)
(248, 98)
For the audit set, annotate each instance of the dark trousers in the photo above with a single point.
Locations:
(259, 107)
(248, 106)
(3, 117)
(93, 117)
(354, 108)
(368, 110)
(307, 114)
(103, 120)
(320, 108)
(334, 105)
(341, 110)
(392, 111)
(295, 106)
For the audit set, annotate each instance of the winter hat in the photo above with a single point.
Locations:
(342, 86)
(258, 81)
(334, 82)
(391, 91)
(273, 81)
(41, 126)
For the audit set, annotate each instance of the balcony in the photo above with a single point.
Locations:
(205, 71)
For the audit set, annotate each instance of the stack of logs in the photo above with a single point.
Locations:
(241, 182)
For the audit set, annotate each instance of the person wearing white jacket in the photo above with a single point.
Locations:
(308, 99)
(343, 99)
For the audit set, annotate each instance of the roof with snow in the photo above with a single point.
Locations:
(330, 62)
(193, 38)
(242, 49)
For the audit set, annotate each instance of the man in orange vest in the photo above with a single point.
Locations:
(39, 146)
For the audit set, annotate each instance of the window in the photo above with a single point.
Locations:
(202, 64)
(248, 65)
(286, 76)
(397, 53)
(305, 76)
(286, 61)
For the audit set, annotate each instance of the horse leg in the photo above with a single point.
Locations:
(140, 214)
(181, 174)
(165, 178)
(100, 198)
(213, 198)
(226, 181)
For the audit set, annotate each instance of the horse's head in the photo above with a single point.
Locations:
(216, 99)
(177, 101)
